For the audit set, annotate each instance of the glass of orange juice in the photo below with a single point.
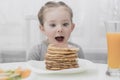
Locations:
(113, 45)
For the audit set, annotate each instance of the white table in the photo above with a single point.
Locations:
(95, 74)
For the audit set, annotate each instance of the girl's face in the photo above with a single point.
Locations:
(57, 25)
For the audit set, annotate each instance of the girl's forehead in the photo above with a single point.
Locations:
(57, 13)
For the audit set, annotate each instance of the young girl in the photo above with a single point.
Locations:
(56, 23)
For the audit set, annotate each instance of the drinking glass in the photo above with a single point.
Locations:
(113, 45)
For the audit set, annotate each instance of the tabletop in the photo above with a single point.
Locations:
(99, 73)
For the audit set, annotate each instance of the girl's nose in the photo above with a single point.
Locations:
(59, 29)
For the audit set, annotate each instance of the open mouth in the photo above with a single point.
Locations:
(59, 38)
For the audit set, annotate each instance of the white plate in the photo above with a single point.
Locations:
(39, 67)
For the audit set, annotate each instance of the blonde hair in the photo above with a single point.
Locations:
(52, 4)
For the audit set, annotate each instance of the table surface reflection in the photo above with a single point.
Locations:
(99, 73)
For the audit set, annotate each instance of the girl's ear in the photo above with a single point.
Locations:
(41, 28)
(72, 27)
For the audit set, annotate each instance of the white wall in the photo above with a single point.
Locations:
(19, 24)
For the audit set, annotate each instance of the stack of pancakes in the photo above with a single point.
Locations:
(58, 58)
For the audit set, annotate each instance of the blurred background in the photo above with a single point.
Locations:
(19, 27)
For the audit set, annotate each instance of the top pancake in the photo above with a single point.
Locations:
(68, 49)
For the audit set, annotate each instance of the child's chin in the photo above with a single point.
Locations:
(61, 44)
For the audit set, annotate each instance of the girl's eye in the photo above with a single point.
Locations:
(65, 24)
(52, 25)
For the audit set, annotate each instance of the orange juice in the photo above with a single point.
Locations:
(113, 40)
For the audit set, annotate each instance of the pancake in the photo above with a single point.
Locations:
(53, 47)
(62, 56)
(59, 57)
